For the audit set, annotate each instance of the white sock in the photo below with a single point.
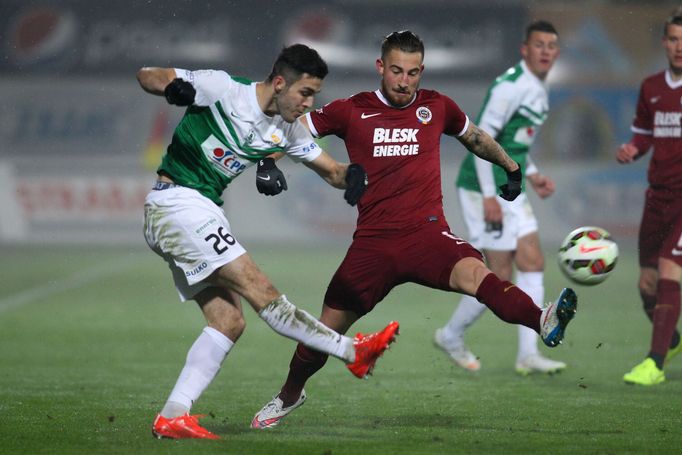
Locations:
(284, 318)
(468, 311)
(532, 284)
(203, 363)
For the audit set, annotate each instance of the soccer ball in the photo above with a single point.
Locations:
(588, 255)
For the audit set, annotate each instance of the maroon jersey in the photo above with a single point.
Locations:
(400, 150)
(659, 117)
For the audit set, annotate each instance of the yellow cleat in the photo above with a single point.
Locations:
(672, 352)
(646, 373)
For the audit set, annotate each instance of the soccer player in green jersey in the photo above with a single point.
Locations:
(231, 124)
(514, 109)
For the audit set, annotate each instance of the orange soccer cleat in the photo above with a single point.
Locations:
(368, 348)
(183, 427)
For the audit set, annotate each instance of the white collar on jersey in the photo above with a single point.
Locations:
(383, 99)
(253, 102)
(532, 75)
(669, 80)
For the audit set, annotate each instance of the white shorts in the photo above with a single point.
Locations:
(518, 220)
(191, 233)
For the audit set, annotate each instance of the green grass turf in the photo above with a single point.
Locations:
(91, 342)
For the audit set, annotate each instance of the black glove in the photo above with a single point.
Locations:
(356, 183)
(269, 179)
(512, 188)
(179, 92)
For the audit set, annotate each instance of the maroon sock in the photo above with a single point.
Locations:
(666, 315)
(508, 302)
(305, 363)
(648, 303)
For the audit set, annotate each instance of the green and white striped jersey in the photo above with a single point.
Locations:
(225, 131)
(515, 107)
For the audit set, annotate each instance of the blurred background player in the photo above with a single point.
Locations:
(402, 235)
(513, 111)
(658, 125)
(231, 123)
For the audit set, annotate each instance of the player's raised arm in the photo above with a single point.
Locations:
(484, 146)
(155, 80)
(164, 82)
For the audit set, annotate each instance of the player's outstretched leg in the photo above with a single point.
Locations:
(359, 353)
(556, 317)
(368, 349)
(182, 427)
(274, 411)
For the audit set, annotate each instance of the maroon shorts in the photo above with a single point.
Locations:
(376, 263)
(660, 234)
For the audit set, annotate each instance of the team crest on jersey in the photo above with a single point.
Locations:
(424, 115)
(250, 137)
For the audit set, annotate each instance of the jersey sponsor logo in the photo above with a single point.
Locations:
(654, 99)
(667, 124)
(200, 230)
(667, 118)
(396, 139)
(248, 140)
(364, 116)
(424, 115)
(276, 134)
(222, 158)
(266, 178)
(310, 147)
(525, 135)
(395, 150)
(196, 270)
(392, 135)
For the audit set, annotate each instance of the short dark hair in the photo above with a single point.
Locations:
(295, 60)
(403, 40)
(675, 18)
(539, 26)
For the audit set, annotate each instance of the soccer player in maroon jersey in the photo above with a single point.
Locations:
(394, 133)
(658, 125)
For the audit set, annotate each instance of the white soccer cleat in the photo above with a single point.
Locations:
(274, 411)
(536, 363)
(556, 316)
(459, 353)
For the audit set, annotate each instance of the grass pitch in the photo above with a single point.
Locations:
(91, 342)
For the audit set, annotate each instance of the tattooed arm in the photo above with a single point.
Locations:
(484, 146)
